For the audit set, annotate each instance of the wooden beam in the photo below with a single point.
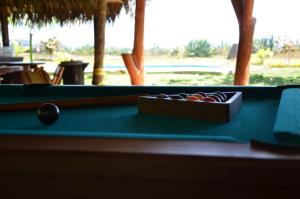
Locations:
(99, 41)
(244, 10)
(115, 1)
(135, 61)
(4, 26)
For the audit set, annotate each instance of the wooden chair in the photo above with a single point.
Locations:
(38, 76)
(57, 76)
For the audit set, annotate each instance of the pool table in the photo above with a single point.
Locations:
(115, 152)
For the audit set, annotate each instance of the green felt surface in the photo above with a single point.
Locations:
(287, 125)
(254, 121)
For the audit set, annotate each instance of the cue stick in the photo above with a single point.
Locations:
(74, 103)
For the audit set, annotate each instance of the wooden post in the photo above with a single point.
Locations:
(4, 26)
(135, 61)
(30, 48)
(99, 39)
(243, 10)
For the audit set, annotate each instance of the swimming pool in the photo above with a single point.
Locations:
(178, 68)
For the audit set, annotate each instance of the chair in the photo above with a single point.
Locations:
(38, 76)
(57, 76)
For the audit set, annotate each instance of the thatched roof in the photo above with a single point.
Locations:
(42, 12)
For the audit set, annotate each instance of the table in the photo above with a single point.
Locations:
(114, 152)
(26, 65)
(9, 69)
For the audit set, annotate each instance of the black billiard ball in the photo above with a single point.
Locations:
(48, 113)
(176, 97)
(163, 96)
(184, 95)
(220, 96)
(223, 94)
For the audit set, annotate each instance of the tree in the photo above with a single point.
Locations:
(51, 46)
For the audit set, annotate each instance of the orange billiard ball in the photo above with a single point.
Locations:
(192, 98)
(199, 96)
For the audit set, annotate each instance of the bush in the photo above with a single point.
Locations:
(261, 55)
(62, 56)
(117, 51)
(198, 48)
(19, 49)
(157, 51)
(84, 50)
(263, 43)
(178, 52)
(222, 49)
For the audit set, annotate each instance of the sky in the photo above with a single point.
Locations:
(173, 23)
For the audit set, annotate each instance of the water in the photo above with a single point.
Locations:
(170, 66)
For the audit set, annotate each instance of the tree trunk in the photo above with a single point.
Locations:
(99, 39)
(4, 26)
(243, 10)
(135, 61)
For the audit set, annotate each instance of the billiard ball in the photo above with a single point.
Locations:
(48, 113)
(201, 93)
(220, 96)
(200, 97)
(192, 98)
(184, 95)
(215, 97)
(163, 96)
(223, 94)
(176, 97)
(209, 99)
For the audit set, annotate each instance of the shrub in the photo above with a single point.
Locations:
(198, 48)
(19, 48)
(261, 55)
(84, 50)
(117, 51)
(222, 49)
(263, 43)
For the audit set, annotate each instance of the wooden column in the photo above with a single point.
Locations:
(99, 39)
(4, 26)
(135, 62)
(243, 10)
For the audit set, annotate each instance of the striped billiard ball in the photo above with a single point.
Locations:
(209, 99)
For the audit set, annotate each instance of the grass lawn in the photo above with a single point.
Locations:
(259, 75)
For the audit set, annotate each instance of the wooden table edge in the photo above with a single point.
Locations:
(143, 147)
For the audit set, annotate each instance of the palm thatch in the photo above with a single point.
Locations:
(42, 12)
